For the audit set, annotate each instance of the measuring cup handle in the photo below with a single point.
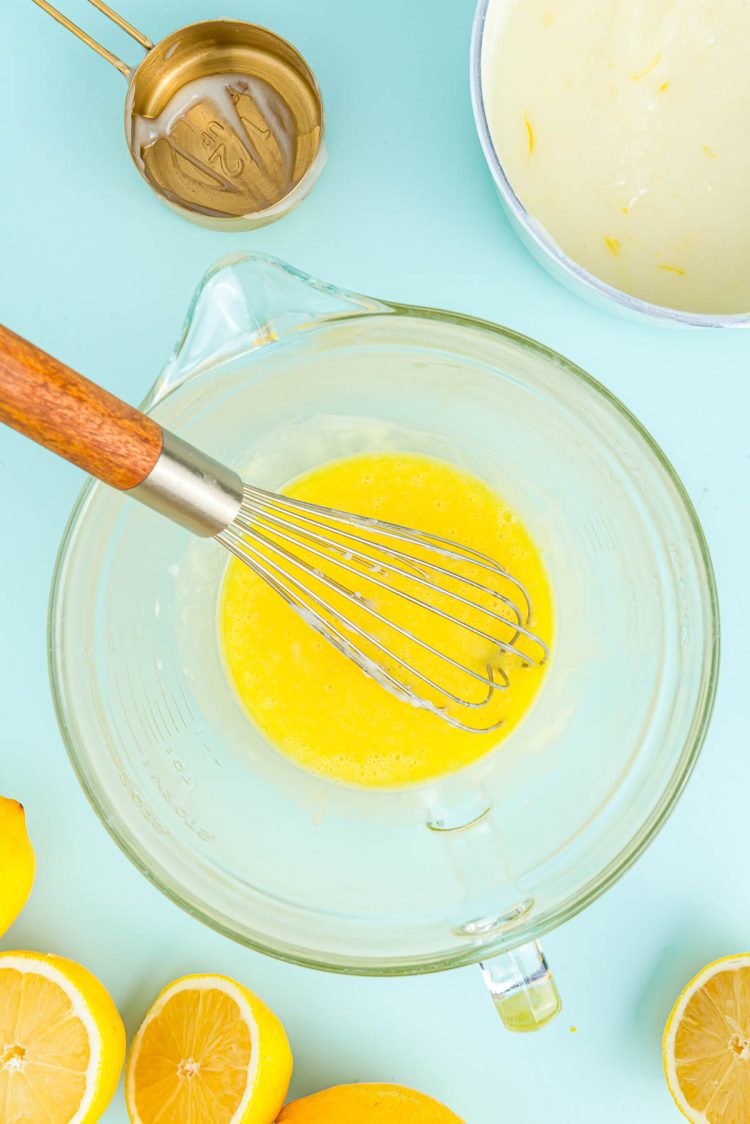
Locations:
(522, 988)
(128, 28)
(518, 980)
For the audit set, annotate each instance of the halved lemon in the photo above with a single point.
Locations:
(706, 1045)
(208, 1050)
(62, 1042)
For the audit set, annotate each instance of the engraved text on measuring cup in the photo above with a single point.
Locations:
(212, 139)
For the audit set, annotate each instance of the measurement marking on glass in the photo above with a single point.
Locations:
(157, 701)
(143, 712)
(139, 711)
(163, 734)
(183, 720)
(216, 760)
(165, 697)
(185, 698)
(128, 722)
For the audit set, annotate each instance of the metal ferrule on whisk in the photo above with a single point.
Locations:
(191, 488)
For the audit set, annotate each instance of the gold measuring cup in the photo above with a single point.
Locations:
(223, 119)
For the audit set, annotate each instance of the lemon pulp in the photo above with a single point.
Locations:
(310, 700)
(706, 1044)
(208, 1050)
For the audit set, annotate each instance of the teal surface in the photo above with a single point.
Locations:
(97, 271)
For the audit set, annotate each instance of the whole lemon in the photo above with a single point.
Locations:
(368, 1104)
(17, 862)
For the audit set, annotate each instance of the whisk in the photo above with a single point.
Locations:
(436, 623)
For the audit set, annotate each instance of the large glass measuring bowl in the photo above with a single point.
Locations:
(276, 373)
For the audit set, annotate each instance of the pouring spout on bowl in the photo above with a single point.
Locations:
(248, 301)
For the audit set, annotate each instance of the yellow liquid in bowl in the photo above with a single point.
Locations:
(309, 700)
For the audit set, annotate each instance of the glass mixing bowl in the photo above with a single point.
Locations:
(276, 373)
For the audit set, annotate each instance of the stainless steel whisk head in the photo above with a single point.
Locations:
(348, 576)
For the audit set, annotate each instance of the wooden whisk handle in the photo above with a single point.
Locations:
(75, 418)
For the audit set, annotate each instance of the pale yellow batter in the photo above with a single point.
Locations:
(312, 702)
(623, 127)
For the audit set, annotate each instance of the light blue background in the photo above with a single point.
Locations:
(94, 269)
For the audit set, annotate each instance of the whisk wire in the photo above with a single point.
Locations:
(248, 551)
(447, 547)
(257, 501)
(251, 527)
(380, 673)
(391, 552)
(293, 545)
(353, 652)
